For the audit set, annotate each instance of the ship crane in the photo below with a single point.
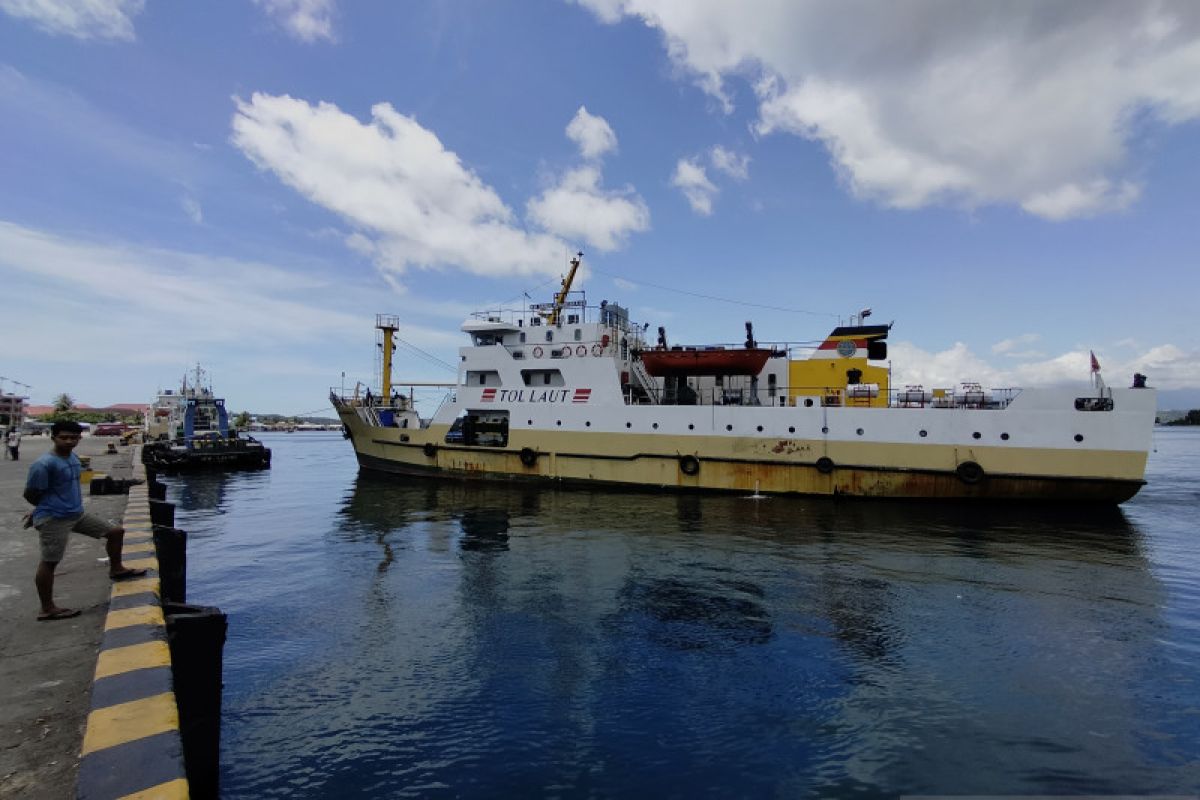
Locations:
(560, 299)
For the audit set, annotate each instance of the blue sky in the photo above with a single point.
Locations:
(247, 183)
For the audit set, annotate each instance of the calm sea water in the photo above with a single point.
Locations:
(423, 638)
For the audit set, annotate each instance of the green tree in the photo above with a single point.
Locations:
(63, 403)
(242, 420)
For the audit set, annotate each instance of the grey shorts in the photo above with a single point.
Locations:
(55, 531)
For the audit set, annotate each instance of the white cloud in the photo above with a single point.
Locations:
(735, 165)
(591, 133)
(1168, 366)
(83, 19)
(624, 285)
(411, 201)
(191, 207)
(937, 101)
(305, 20)
(1009, 347)
(579, 208)
(691, 179)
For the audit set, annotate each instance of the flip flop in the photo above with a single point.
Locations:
(62, 613)
(127, 574)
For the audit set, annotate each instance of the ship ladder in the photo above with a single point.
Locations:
(643, 378)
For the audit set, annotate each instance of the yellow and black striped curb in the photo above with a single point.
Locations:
(132, 746)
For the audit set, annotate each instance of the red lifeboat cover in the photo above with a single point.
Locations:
(715, 361)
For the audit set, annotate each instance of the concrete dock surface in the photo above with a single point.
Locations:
(46, 668)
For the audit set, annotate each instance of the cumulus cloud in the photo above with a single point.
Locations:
(1168, 366)
(735, 165)
(578, 208)
(411, 202)
(938, 101)
(691, 179)
(82, 19)
(305, 20)
(591, 133)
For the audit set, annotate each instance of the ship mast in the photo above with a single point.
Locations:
(560, 299)
(387, 324)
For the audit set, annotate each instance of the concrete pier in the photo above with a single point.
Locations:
(47, 668)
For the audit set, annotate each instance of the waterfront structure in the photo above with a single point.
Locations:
(563, 391)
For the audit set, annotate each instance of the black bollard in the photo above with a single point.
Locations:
(158, 491)
(170, 546)
(196, 636)
(162, 513)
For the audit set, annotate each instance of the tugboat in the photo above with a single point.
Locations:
(567, 392)
(189, 430)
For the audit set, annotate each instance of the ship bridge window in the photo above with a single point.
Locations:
(542, 377)
(522, 337)
(480, 429)
(578, 335)
(1093, 404)
(549, 335)
(484, 339)
(483, 377)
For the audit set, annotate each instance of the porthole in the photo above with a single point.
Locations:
(691, 427)
(628, 424)
(558, 423)
(728, 427)
(923, 433)
(655, 426)
(791, 429)
(528, 422)
(976, 435)
(859, 431)
(824, 430)
(587, 424)
(808, 402)
(759, 429)
(1004, 436)
(1079, 437)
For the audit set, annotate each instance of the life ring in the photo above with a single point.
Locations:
(430, 449)
(689, 465)
(969, 473)
(565, 352)
(824, 465)
(528, 456)
(597, 349)
(537, 352)
(581, 350)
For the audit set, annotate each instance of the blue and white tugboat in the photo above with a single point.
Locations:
(189, 430)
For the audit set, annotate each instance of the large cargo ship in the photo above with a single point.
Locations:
(564, 391)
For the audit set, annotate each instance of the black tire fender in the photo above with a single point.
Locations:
(430, 449)
(528, 456)
(970, 473)
(689, 465)
(824, 465)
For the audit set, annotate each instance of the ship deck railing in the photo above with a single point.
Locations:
(854, 396)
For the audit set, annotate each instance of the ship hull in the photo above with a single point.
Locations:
(768, 466)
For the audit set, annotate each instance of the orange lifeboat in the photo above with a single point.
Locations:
(705, 361)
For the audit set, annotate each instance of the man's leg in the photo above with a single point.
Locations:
(44, 580)
(114, 541)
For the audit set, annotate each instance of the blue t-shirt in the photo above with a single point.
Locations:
(58, 480)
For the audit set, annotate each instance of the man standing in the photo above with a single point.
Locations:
(14, 442)
(53, 488)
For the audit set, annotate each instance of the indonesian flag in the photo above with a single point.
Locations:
(1095, 363)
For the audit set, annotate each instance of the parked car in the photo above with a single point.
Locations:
(110, 429)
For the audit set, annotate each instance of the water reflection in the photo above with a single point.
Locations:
(500, 640)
